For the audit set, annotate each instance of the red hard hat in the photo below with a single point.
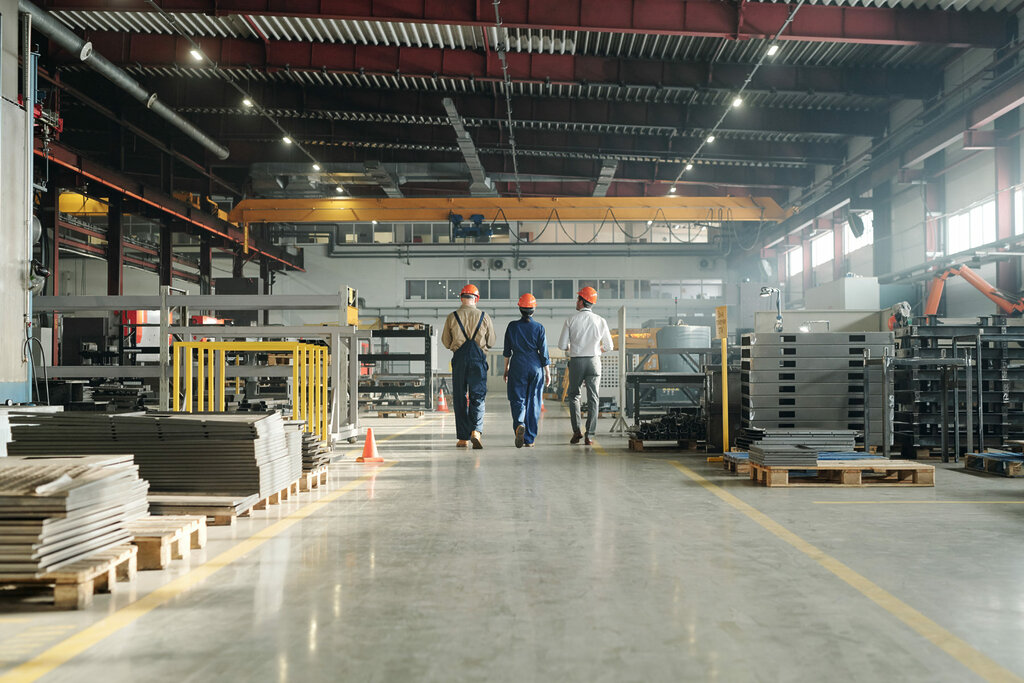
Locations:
(470, 290)
(588, 294)
(527, 301)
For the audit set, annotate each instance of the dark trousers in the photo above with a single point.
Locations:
(469, 379)
(584, 370)
(525, 394)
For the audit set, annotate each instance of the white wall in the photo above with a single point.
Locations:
(381, 282)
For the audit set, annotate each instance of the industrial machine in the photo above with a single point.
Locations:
(1010, 304)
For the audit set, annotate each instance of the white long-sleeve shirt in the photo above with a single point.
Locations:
(585, 333)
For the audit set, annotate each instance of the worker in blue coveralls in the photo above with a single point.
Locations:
(527, 370)
(468, 334)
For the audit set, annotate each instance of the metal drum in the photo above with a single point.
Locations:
(681, 337)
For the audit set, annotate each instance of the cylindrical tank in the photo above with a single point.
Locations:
(681, 337)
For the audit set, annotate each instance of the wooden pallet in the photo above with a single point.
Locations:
(314, 479)
(736, 465)
(75, 584)
(163, 538)
(399, 413)
(873, 472)
(274, 498)
(1005, 465)
(221, 510)
(686, 445)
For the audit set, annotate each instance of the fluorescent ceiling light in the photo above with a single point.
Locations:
(196, 54)
(286, 140)
(737, 101)
(339, 189)
(772, 50)
(711, 138)
(316, 166)
(247, 102)
(689, 167)
(672, 190)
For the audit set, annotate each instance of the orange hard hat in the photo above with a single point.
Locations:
(588, 294)
(470, 290)
(527, 301)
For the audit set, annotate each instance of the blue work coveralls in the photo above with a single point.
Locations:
(469, 376)
(526, 345)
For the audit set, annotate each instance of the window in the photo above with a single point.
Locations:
(542, 289)
(608, 289)
(823, 249)
(563, 289)
(971, 228)
(795, 262)
(851, 243)
(500, 289)
(415, 289)
(525, 286)
(437, 289)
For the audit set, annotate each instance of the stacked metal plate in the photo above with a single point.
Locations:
(310, 447)
(809, 380)
(209, 453)
(820, 441)
(784, 455)
(55, 511)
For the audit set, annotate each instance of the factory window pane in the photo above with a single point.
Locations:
(524, 287)
(415, 289)
(437, 289)
(421, 234)
(500, 289)
(852, 243)
(1018, 211)
(972, 228)
(455, 288)
(643, 289)
(712, 289)
(485, 290)
(442, 233)
(823, 249)
(664, 289)
(690, 289)
(364, 233)
(563, 289)
(795, 262)
(580, 284)
(542, 289)
(608, 289)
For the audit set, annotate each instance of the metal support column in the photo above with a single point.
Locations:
(115, 247)
(1007, 158)
(165, 269)
(205, 264)
(620, 425)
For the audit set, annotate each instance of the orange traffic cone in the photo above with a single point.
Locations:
(542, 408)
(370, 453)
(442, 404)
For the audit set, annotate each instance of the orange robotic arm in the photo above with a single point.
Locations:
(1007, 304)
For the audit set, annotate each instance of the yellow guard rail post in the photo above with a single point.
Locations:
(209, 360)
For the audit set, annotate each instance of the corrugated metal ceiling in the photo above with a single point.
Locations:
(636, 46)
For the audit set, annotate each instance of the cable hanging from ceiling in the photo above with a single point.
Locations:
(737, 100)
(502, 48)
(196, 52)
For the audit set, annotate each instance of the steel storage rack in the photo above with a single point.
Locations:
(809, 380)
(385, 381)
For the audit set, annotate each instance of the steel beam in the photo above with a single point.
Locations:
(115, 247)
(167, 51)
(167, 206)
(702, 18)
(339, 210)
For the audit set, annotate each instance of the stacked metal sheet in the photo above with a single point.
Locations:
(809, 380)
(55, 511)
(820, 441)
(784, 455)
(208, 453)
(309, 446)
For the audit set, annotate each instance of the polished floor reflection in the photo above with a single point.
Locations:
(566, 563)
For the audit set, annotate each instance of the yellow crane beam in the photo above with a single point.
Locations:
(417, 209)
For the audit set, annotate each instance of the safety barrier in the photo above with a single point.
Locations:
(310, 372)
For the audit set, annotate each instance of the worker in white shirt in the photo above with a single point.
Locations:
(585, 336)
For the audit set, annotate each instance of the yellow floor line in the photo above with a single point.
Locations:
(952, 645)
(69, 648)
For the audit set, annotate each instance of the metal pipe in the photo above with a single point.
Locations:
(53, 28)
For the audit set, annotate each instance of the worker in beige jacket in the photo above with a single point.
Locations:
(468, 334)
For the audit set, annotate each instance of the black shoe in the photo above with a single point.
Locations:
(588, 442)
(520, 436)
(576, 438)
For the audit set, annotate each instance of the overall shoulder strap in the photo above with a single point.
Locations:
(479, 324)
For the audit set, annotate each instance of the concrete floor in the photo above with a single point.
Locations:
(563, 563)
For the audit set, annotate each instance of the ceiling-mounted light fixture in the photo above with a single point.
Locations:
(772, 50)
(737, 101)
(374, 222)
(711, 138)
(286, 140)
(650, 222)
(247, 103)
(672, 190)
(196, 54)
(689, 167)
(339, 189)
(316, 166)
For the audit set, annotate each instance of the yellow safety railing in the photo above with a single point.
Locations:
(208, 360)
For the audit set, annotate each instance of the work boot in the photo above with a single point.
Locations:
(528, 445)
(520, 436)
(475, 438)
(462, 443)
(576, 438)
(587, 441)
